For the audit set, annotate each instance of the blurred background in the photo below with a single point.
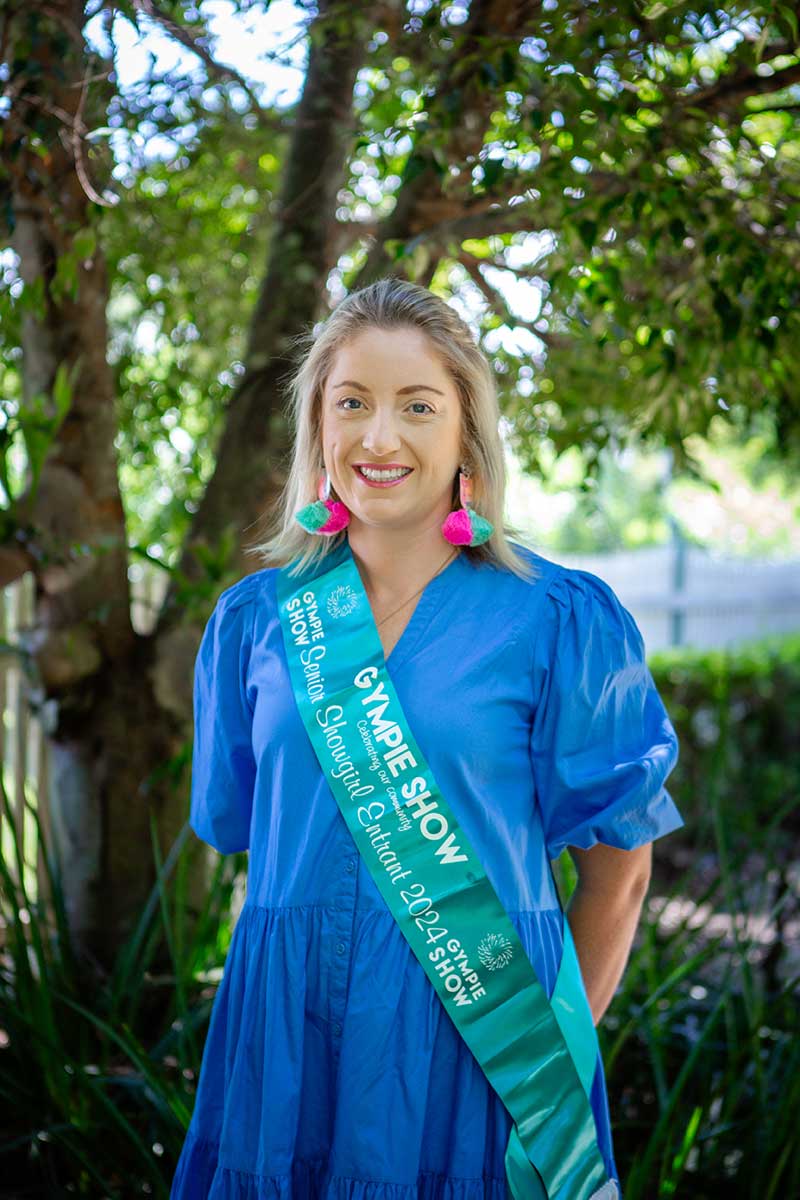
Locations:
(610, 196)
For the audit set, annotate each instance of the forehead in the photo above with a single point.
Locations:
(390, 357)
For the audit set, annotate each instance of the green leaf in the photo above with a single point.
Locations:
(84, 243)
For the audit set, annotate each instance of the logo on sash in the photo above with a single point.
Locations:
(495, 951)
(342, 601)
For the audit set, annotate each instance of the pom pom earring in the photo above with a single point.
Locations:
(324, 515)
(463, 526)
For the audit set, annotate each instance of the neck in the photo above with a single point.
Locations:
(392, 562)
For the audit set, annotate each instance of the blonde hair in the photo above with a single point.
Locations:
(393, 303)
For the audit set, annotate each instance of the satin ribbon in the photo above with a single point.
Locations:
(538, 1054)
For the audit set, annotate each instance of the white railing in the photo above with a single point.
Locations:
(684, 595)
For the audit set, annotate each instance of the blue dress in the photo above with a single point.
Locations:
(331, 1070)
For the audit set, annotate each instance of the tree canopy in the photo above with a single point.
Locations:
(611, 191)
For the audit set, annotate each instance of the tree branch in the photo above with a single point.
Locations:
(730, 90)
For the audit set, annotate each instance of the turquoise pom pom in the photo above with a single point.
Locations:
(313, 516)
(482, 529)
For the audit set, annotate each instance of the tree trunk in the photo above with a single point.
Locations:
(108, 733)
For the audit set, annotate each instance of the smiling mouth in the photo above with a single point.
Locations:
(382, 476)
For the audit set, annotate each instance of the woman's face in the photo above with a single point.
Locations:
(389, 401)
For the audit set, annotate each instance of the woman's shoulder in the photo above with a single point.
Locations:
(555, 595)
(542, 577)
(246, 590)
(547, 574)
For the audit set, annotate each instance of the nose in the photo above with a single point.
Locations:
(380, 437)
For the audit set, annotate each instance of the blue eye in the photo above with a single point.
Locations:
(341, 404)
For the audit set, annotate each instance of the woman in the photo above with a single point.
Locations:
(332, 1068)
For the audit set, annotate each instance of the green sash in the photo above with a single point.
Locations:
(538, 1054)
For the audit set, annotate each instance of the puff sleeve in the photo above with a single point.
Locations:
(223, 763)
(601, 744)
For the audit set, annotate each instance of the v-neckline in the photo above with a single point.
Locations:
(429, 600)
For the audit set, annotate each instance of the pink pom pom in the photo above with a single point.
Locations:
(339, 518)
(457, 527)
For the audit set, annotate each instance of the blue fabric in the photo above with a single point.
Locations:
(330, 1069)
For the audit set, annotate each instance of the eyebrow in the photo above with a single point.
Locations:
(415, 387)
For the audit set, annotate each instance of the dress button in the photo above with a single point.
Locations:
(351, 865)
(340, 947)
(337, 1027)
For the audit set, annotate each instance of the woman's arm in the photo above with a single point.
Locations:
(603, 913)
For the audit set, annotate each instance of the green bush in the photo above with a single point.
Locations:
(701, 1042)
(98, 1069)
(737, 716)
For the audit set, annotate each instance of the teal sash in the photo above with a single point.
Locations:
(538, 1054)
